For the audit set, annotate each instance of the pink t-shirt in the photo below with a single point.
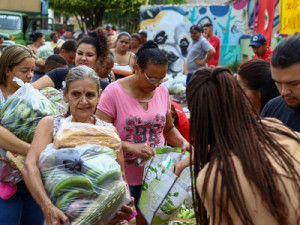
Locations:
(135, 124)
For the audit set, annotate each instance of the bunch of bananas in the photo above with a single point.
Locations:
(84, 182)
(21, 116)
(186, 214)
(183, 223)
(55, 96)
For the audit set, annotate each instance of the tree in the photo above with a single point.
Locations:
(166, 2)
(129, 19)
(89, 13)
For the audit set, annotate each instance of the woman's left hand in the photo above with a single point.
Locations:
(181, 165)
(185, 147)
(124, 214)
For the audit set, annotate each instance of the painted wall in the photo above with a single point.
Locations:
(169, 27)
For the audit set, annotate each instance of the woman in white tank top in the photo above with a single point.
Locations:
(124, 60)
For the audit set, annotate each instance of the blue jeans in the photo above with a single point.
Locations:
(135, 192)
(188, 77)
(20, 209)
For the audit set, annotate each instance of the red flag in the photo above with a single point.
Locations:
(265, 18)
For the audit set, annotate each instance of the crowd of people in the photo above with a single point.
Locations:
(246, 165)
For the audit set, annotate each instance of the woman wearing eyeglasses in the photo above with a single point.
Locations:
(140, 109)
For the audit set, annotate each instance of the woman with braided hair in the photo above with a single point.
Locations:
(246, 169)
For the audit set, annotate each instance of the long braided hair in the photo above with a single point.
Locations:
(224, 123)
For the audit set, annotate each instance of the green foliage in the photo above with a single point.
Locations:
(129, 19)
(89, 14)
(167, 2)
(126, 20)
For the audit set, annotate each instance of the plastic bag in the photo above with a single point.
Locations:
(176, 85)
(45, 51)
(169, 83)
(71, 134)
(24, 109)
(21, 114)
(179, 89)
(9, 172)
(85, 182)
(56, 97)
(163, 192)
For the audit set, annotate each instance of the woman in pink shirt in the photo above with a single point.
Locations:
(140, 110)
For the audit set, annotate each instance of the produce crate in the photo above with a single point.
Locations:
(191, 221)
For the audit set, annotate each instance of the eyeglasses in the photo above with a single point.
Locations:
(155, 80)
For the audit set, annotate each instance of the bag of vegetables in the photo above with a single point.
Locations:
(85, 182)
(56, 97)
(163, 193)
(20, 115)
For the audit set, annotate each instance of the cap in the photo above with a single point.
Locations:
(257, 40)
(195, 28)
(70, 29)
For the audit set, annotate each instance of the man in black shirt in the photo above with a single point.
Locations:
(285, 65)
(56, 77)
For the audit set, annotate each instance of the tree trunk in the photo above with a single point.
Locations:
(80, 22)
(99, 13)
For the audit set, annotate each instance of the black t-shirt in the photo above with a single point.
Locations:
(58, 75)
(277, 108)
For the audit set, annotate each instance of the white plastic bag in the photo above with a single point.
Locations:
(56, 97)
(22, 112)
(85, 182)
(71, 134)
(163, 192)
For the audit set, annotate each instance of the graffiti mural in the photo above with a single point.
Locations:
(169, 27)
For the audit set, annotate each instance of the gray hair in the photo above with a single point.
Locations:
(81, 72)
(126, 34)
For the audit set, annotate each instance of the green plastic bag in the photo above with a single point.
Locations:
(163, 192)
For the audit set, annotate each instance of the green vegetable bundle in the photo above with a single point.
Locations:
(182, 223)
(85, 182)
(186, 214)
(56, 97)
(20, 115)
(163, 192)
(23, 110)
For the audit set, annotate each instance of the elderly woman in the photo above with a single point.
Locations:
(124, 59)
(246, 170)
(82, 93)
(17, 206)
(256, 80)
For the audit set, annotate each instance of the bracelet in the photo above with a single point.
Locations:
(132, 215)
